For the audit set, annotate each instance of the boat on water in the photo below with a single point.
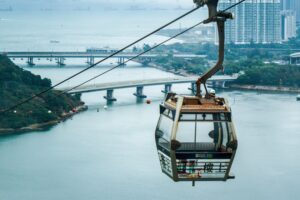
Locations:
(298, 97)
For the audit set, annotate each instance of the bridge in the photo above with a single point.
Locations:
(60, 57)
(216, 81)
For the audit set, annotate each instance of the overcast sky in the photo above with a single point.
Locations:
(18, 4)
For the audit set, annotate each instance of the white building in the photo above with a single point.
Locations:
(292, 5)
(288, 24)
(256, 21)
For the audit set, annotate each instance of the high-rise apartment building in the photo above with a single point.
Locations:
(288, 24)
(257, 21)
(296, 7)
(292, 5)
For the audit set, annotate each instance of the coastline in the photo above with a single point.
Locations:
(181, 73)
(42, 126)
(265, 88)
(235, 86)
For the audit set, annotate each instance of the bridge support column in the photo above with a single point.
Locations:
(223, 84)
(91, 60)
(110, 96)
(30, 61)
(121, 61)
(167, 89)
(61, 61)
(214, 84)
(193, 88)
(139, 92)
(218, 84)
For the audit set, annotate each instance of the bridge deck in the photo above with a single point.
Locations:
(136, 83)
(88, 54)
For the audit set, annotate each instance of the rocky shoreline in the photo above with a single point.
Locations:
(43, 126)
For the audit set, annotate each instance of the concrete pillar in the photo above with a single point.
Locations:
(110, 96)
(61, 61)
(121, 61)
(90, 60)
(214, 84)
(167, 89)
(223, 84)
(139, 92)
(30, 61)
(193, 88)
(218, 84)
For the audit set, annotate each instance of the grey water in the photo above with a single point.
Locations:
(111, 154)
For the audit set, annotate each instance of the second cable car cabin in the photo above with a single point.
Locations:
(195, 138)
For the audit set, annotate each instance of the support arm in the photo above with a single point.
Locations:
(219, 18)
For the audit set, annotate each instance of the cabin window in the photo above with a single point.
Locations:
(165, 127)
(194, 131)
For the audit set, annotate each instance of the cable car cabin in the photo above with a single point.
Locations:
(195, 138)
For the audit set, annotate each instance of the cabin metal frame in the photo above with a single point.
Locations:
(195, 160)
(203, 163)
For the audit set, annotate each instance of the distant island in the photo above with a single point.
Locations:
(17, 84)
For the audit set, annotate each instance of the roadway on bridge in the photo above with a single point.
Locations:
(88, 54)
(136, 83)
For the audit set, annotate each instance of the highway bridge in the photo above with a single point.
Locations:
(60, 57)
(215, 81)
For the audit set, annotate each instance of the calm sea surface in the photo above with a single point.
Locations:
(111, 154)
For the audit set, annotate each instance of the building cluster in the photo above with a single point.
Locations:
(262, 21)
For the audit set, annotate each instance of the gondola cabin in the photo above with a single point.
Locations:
(195, 138)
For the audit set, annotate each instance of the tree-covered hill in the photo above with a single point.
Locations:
(17, 84)
(255, 72)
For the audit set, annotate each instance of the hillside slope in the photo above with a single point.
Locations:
(17, 84)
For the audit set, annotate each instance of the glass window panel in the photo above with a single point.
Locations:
(225, 133)
(203, 130)
(200, 117)
(165, 127)
(207, 117)
(186, 131)
(187, 117)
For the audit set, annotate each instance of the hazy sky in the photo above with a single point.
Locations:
(78, 3)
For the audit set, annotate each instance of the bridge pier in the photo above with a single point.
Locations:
(139, 92)
(167, 89)
(110, 96)
(90, 60)
(218, 84)
(30, 61)
(193, 88)
(121, 61)
(61, 61)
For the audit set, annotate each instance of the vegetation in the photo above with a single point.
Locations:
(17, 84)
(195, 66)
(255, 72)
(254, 61)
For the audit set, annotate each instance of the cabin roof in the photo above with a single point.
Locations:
(193, 104)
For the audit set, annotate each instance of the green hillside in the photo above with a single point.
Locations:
(17, 84)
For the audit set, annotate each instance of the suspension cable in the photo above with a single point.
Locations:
(134, 57)
(115, 53)
(102, 60)
(146, 51)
